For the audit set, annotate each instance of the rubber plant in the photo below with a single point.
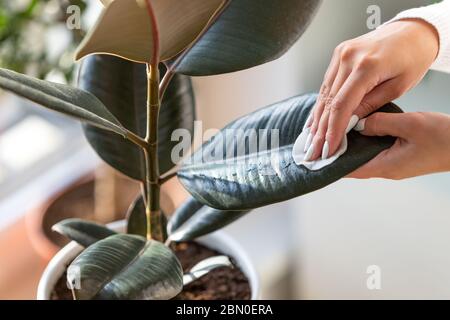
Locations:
(135, 90)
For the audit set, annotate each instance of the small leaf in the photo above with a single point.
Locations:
(137, 220)
(193, 220)
(126, 29)
(206, 266)
(126, 267)
(122, 86)
(260, 175)
(183, 213)
(62, 98)
(83, 232)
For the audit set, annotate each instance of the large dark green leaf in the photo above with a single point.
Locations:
(81, 231)
(193, 219)
(183, 213)
(62, 98)
(122, 86)
(126, 267)
(255, 178)
(247, 33)
(137, 219)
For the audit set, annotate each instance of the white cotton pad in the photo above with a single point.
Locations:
(298, 152)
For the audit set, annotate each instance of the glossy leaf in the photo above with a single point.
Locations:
(62, 98)
(261, 177)
(206, 266)
(193, 220)
(246, 34)
(81, 231)
(122, 86)
(126, 267)
(126, 28)
(137, 220)
(183, 213)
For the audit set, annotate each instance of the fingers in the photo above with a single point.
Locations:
(384, 165)
(343, 106)
(354, 93)
(327, 83)
(354, 78)
(388, 124)
(380, 95)
(313, 122)
(372, 169)
(320, 125)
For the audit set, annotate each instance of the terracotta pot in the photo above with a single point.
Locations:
(76, 201)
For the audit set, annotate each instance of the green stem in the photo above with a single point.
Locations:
(168, 175)
(136, 139)
(152, 187)
(165, 83)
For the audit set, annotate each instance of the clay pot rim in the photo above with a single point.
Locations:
(34, 220)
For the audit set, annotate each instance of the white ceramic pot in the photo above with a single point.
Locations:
(219, 241)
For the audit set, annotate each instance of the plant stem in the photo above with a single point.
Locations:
(136, 139)
(165, 82)
(168, 175)
(152, 209)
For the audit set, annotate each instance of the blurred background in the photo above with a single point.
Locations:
(318, 246)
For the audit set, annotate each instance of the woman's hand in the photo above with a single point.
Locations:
(364, 74)
(422, 147)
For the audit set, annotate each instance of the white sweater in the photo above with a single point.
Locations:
(438, 15)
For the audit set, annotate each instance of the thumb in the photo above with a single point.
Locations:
(379, 96)
(385, 124)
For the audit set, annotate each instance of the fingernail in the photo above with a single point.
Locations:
(352, 123)
(308, 121)
(309, 139)
(325, 150)
(310, 152)
(361, 125)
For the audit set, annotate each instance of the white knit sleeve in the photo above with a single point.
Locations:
(438, 15)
